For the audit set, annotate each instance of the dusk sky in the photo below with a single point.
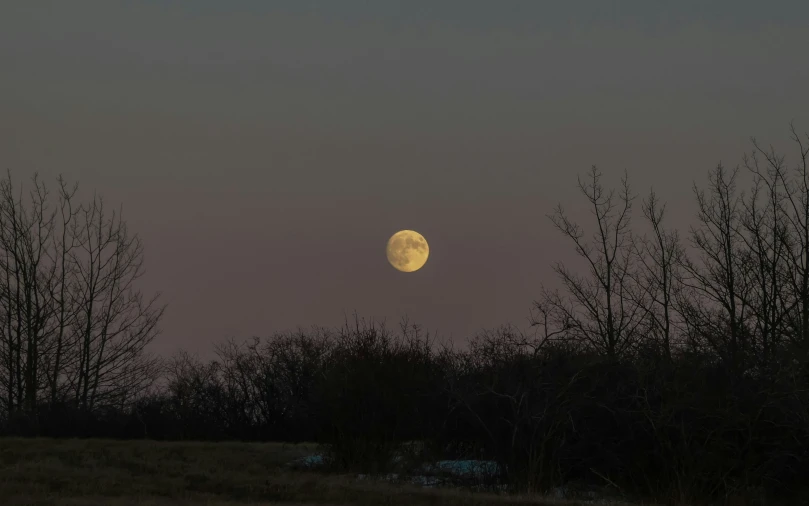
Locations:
(265, 151)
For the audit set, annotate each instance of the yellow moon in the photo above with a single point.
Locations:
(407, 250)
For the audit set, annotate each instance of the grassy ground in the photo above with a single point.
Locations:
(122, 473)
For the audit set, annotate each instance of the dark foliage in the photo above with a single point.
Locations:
(683, 427)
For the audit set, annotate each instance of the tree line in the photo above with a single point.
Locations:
(672, 365)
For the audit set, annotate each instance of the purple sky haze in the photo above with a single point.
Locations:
(265, 151)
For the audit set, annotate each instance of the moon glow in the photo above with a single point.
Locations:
(407, 251)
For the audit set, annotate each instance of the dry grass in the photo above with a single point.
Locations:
(122, 473)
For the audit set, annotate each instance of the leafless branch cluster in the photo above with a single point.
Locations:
(739, 288)
(74, 323)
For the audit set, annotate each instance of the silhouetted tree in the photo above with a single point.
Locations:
(595, 309)
(655, 288)
(793, 206)
(768, 245)
(26, 227)
(74, 325)
(718, 279)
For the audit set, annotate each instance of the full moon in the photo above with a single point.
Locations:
(407, 250)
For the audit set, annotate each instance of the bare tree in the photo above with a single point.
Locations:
(74, 325)
(595, 309)
(716, 283)
(114, 322)
(25, 232)
(62, 276)
(768, 242)
(659, 257)
(795, 202)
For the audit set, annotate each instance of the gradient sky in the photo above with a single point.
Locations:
(266, 150)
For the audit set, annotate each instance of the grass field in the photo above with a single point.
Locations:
(121, 473)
